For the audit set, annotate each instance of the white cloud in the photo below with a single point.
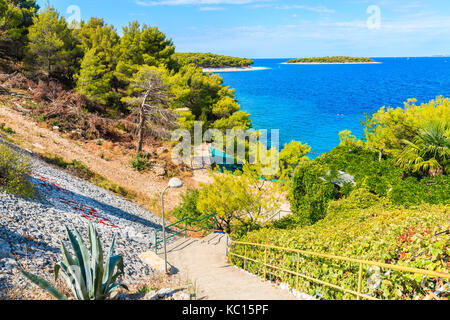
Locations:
(193, 2)
(211, 9)
(319, 9)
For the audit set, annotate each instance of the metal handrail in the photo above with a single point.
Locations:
(361, 263)
(279, 214)
(187, 221)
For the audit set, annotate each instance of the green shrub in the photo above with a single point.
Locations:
(311, 192)
(380, 232)
(140, 163)
(188, 208)
(14, 171)
(188, 205)
(413, 191)
(6, 129)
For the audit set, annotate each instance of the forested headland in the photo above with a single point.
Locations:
(210, 60)
(334, 59)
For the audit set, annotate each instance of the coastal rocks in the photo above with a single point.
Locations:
(181, 295)
(159, 170)
(161, 151)
(154, 295)
(167, 294)
(155, 262)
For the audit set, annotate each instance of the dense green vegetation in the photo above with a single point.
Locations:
(14, 173)
(335, 59)
(311, 194)
(107, 70)
(210, 60)
(241, 200)
(16, 16)
(384, 198)
(367, 227)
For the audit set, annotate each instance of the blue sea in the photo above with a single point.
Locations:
(313, 103)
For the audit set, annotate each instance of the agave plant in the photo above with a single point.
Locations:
(429, 152)
(85, 273)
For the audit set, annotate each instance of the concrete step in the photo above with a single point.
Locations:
(215, 239)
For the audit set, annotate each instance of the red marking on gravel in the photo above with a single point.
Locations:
(88, 212)
(51, 184)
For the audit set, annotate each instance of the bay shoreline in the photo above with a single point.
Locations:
(233, 69)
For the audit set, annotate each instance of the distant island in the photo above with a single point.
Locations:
(210, 60)
(331, 60)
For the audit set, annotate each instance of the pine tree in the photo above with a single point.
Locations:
(51, 45)
(142, 46)
(149, 99)
(15, 18)
(10, 21)
(96, 79)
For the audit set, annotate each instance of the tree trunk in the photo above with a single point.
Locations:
(140, 133)
(141, 125)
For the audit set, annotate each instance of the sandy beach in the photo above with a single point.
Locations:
(234, 69)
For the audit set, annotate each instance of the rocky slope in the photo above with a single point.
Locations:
(31, 230)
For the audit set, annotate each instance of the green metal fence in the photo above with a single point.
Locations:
(185, 223)
(267, 267)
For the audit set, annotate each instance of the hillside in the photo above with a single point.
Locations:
(109, 159)
(31, 229)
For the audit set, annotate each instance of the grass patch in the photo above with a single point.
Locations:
(140, 163)
(80, 170)
(6, 129)
(14, 173)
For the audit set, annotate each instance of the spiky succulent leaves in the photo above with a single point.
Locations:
(44, 285)
(83, 256)
(85, 273)
(112, 271)
(73, 270)
(66, 276)
(96, 263)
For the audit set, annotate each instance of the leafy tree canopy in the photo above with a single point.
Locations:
(142, 46)
(15, 18)
(51, 44)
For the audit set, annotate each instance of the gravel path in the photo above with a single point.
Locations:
(31, 230)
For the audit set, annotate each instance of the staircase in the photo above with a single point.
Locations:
(204, 263)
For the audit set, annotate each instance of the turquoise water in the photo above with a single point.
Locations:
(313, 103)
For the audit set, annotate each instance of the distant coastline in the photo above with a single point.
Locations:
(315, 63)
(233, 69)
(331, 60)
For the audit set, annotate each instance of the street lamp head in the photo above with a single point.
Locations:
(175, 183)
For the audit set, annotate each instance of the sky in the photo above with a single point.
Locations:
(283, 28)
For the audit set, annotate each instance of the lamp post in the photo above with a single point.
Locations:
(174, 183)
